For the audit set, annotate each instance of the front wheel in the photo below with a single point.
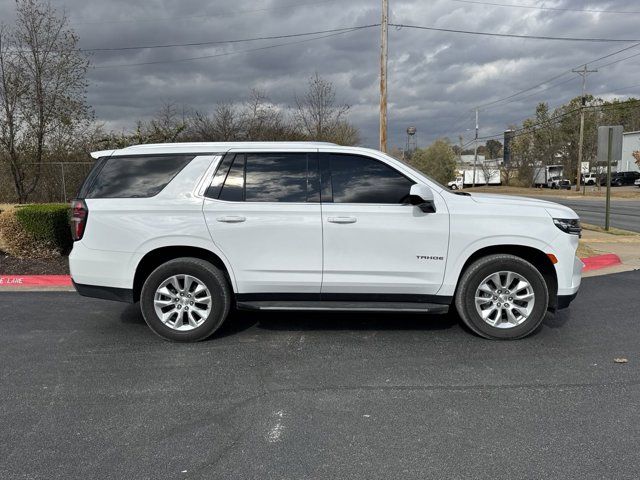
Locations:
(502, 297)
(185, 299)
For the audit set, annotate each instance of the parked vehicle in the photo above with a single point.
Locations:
(543, 173)
(589, 179)
(559, 183)
(465, 178)
(618, 179)
(191, 230)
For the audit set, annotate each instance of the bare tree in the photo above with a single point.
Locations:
(42, 89)
(508, 171)
(489, 171)
(263, 120)
(320, 117)
(167, 125)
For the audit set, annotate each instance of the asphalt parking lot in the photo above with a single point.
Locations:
(89, 392)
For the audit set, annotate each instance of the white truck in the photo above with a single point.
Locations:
(542, 174)
(465, 178)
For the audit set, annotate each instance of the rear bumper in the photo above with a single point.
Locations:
(106, 293)
(102, 267)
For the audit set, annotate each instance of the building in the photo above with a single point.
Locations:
(630, 144)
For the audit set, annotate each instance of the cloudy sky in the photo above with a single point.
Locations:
(435, 78)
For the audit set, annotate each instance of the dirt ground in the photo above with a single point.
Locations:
(29, 266)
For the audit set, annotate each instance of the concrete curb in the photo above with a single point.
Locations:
(600, 261)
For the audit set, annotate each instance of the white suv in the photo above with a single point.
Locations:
(190, 230)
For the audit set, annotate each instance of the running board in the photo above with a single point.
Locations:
(345, 306)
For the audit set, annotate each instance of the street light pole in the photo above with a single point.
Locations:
(475, 153)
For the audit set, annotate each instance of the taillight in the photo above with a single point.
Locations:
(79, 213)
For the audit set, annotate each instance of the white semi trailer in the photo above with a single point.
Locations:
(464, 179)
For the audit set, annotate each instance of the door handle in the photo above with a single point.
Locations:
(231, 219)
(342, 219)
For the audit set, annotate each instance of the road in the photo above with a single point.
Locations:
(625, 214)
(89, 392)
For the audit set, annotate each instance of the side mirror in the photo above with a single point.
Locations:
(422, 197)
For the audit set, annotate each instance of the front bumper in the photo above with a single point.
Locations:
(568, 289)
(565, 300)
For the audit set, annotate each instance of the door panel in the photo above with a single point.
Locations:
(271, 247)
(393, 249)
(374, 241)
(274, 242)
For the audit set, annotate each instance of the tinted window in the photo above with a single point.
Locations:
(213, 191)
(356, 179)
(133, 177)
(233, 188)
(278, 177)
(88, 181)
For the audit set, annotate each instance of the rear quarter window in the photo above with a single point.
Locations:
(133, 176)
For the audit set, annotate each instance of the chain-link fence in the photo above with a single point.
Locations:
(59, 181)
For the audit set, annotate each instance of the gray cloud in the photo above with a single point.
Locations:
(435, 78)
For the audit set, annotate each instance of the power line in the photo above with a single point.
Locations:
(557, 9)
(556, 77)
(556, 118)
(203, 17)
(513, 35)
(218, 42)
(619, 60)
(222, 54)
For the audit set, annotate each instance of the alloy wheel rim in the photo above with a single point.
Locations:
(504, 299)
(182, 302)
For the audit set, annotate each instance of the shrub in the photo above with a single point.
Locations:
(36, 231)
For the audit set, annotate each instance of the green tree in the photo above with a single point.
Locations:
(493, 148)
(438, 160)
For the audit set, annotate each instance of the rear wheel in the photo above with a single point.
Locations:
(502, 297)
(185, 299)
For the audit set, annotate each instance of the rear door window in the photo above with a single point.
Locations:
(267, 177)
(135, 176)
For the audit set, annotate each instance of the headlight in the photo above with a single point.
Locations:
(569, 225)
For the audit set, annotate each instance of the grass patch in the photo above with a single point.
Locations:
(611, 231)
(585, 251)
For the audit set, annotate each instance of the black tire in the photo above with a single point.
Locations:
(454, 187)
(213, 278)
(481, 269)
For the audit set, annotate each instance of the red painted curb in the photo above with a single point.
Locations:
(35, 281)
(600, 261)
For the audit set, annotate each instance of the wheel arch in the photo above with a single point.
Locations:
(536, 257)
(156, 257)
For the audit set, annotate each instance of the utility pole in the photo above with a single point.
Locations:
(383, 75)
(583, 72)
(475, 154)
